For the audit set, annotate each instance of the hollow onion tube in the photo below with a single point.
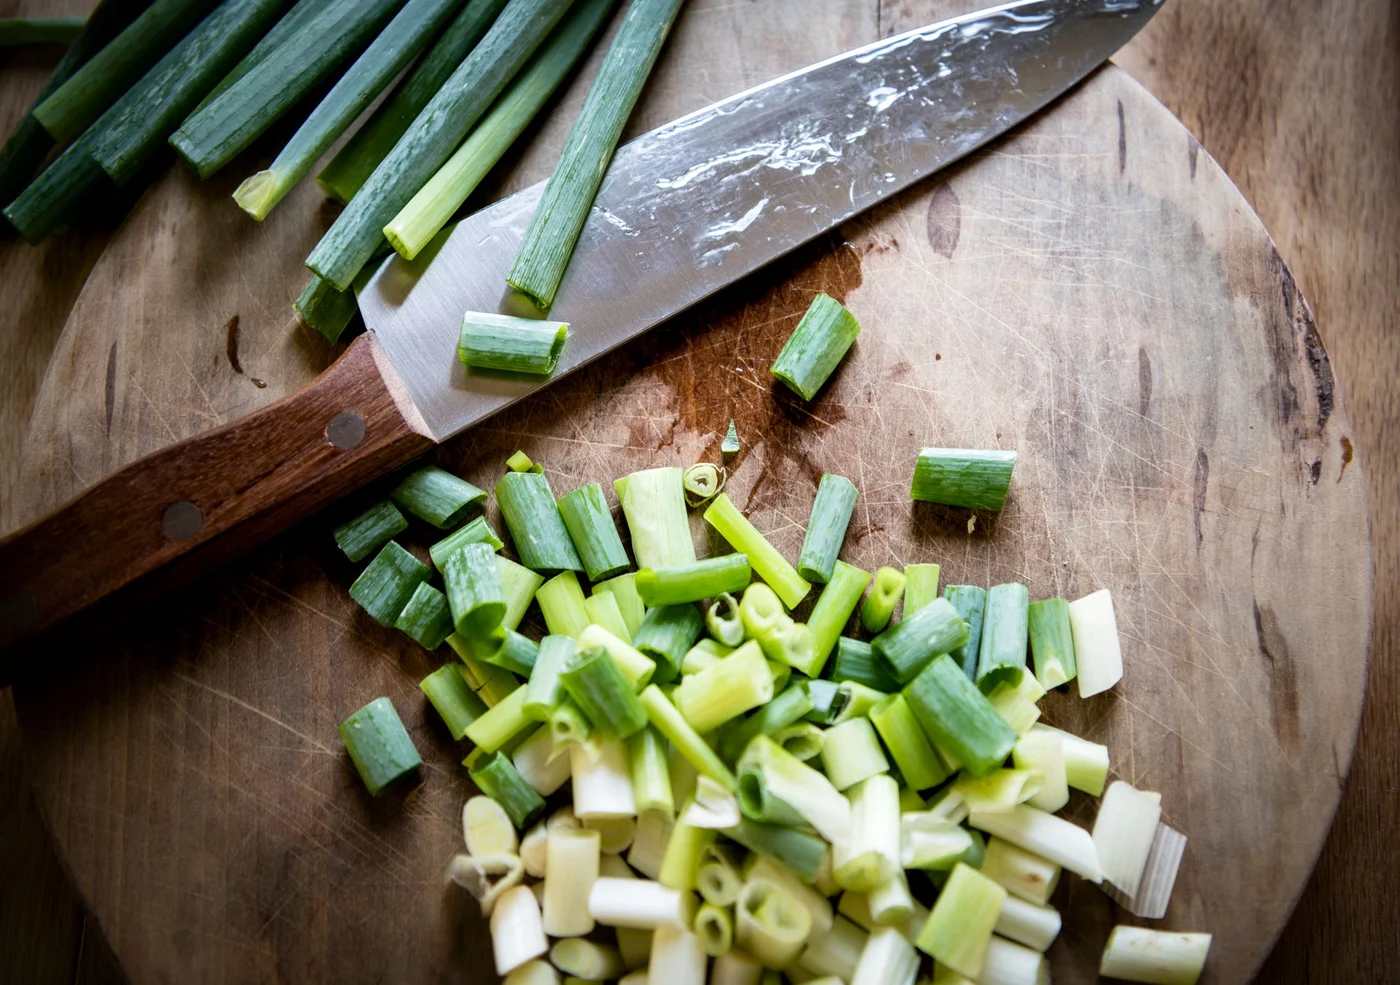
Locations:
(639, 903)
(592, 679)
(474, 591)
(590, 525)
(676, 957)
(828, 701)
(497, 778)
(770, 924)
(705, 579)
(379, 746)
(871, 853)
(1098, 653)
(1027, 923)
(801, 739)
(909, 747)
(961, 922)
(1001, 657)
(855, 661)
(715, 928)
(999, 790)
(436, 496)
(456, 703)
(851, 753)
(974, 479)
(1008, 963)
(956, 715)
(1123, 833)
(478, 531)
(832, 612)
(826, 527)
(888, 959)
(518, 584)
(388, 582)
(532, 516)
(816, 346)
(426, 617)
(718, 876)
(517, 930)
(623, 589)
(666, 633)
(545, 689)
(817, 906)
(837, 952)
(970, 601)
(884, 595)
(724, 691)
(775, 786)
(1046, 835)
(681, 864)
(1044, 753)
(858, 701)
(654, 504)
(636, 667)
(804, 853)
(366, 533)
(672, 724)
(1051, 642)
(561, 603)
(571, 869)
(784, 710)
(702, 482)
(651, 776)
(602, 781)
(1158, 957)
(536, 761)
(744, 537)
(908, 647)
(920, 586)
(1019, 872)
(722, 620)
(504, 720)
(617, 833)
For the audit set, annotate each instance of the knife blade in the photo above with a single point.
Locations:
(685, 210)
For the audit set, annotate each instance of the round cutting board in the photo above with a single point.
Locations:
(1091, 291)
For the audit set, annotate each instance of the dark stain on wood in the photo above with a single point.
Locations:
(1122, 140)
(231, 344)
(110, 395)
(1144, 381)
(1347, 455)
(1200, 482)
(944, 220)
(1315, 471)
(1273, 647)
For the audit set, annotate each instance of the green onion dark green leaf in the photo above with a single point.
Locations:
(371, 530)
(496, 777)
(816, 347)
(535, 524)
(517, 654)
(19, 31)
(509, 344)
(474, 591)
(971, 603)
(546, 689)
(826, 527)
(385, 587)
(730, 444)
(855, 661)
(977, 480)
(379, 745)
(478, 531)
(326, 309)
(590, 524)
(1001, 655)
(1052, 644)
(592, 679)
(908, 647)
(437, 496)
(693, 582)
(455, 701)
(426, 618)
(665, 634)
(957, 716)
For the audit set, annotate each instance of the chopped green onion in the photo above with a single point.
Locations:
(568, 725)
(717, 875)
(479, 531)
(517, 934)
(354, 163)
(487, 877)
(723, 622)
(571, 869)
(832, 612)
(1030, 924)
(801, 739)
(602, 611)
(775, 786)
(826, 527)
(828, 701)
(735, 528)
(770, 924)
(784, 710)
(502, 722)
(437, 201)
(1098, 653)
(533, 519)
(692, 582)
(730, 444)
(703, 655)
(474, 592)
(703, 482)
(1001, 655)
(456, 703)
(602, 781)
(956, 715)
(520, 462)
(1007, 963)
(515, 653)
(681, 865)
(715, 928)
(1124, 831)
(651, 776)
(562, 605)
(871, 854)
(53, 198)
(837, 952)
(970, 601)
(855, 661)
(653, 501)
(487, 828)
(434, 134)
(590, 525)
(887, 957)
(792, 645)
(600, 690)
(884, 596)
(977, 480)
(390, 580)
(1015, 709)
(379, 745)
(325, 308)
(909, 747)
(676, 958)
(738, 683)
(999, 790)
(426, 618)
(623, 588)
(1051, 641)
(816, 347)
(908, 647)
(814, 902)
(639, 903)
(586, 960)
(672, 724)
(909, 798)
(927, 841)
(666, 634)
(511, 344)
(497, 777)
(920, 587)
(1046, 835)
(519, 585)
(961, 922)
(1158, 957)
(636, 667)
(654, 826)
(851, 753)
(437, 496)
(543, 767)
(545, 690)
(1021, 873)
(858, 701)
(371, 530)
(1086, 763)
(1044, 753)
(554, 229)
(798, 850)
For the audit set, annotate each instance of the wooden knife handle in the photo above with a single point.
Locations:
(192, 505)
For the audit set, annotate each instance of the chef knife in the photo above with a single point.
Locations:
(685, 210)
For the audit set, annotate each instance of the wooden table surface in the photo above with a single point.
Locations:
(1297, 100)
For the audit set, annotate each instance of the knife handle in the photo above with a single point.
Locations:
(162, 519)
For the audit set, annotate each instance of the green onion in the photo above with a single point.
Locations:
(516, 653)
(666, 633)
(653, 501)
(80, 100)
(568, 725)
(961, 923)
(651, 776)
(703, 655)
(722, 620)
(672, 724)
(379, 745)
(857, 700)
(1051, 642)
(977, 480)
(909, 748)
(1020, 872)
(970, 601)
(681, 864)
(1002, 653)
(52, 199)
(781, 672)
(801, 739)
(474, 592)
(510, 344)
(457, 703)
(519, 585)
(225, 125)
(390, 580)
(1158, 957)
(692, 582)
(434, 134)
(603, 611)
(808, 897)
(479, 531)
(353, 163)
(302, 13)
(826, 528)
(999, 790)
(852, 753)
(635, 666)
(520, 462)
(920, 586)
(497, 778)
(855, 661)
(956, 715)
(623, 588)
(1015, 709)
(325, 309)
(837, 952)
(1044, 753)
(1086, 763)
(437, 201)
(554, 229)
(907, 648)
(533, 519)
(1098, 653)
(884, 596)
(871, 855)
(493, 684)
(816, 347)
(1050, 837)
(702, 483)
(602, 781)
(653, 828)
(584, 959)
(562, 605)
(1124, 830)
(590, 525)
(888, 957)
(502, 722)
(798, 850)
(736, 684)
(828, 701)
(770, 924)
(395, 46)
(930, 842)
(19, 31)
(426, 618)
(362, 536)
(730, 444)
(734, 527)
(715, 928)
(598, 687)
(832, 612)
(545, 690)
(717, 877)
(437, 496)
(784, 710)
(775, 786)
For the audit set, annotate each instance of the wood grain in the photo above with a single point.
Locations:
(1308, 91)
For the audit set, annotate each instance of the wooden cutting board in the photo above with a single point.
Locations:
(1091, 291)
